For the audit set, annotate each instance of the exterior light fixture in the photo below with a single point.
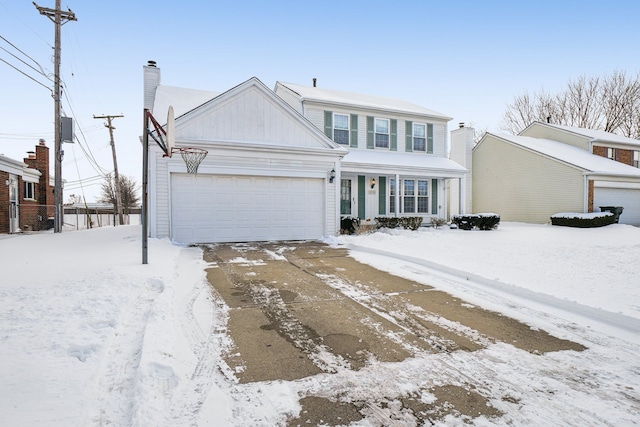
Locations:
(373, 183)
(332, 175)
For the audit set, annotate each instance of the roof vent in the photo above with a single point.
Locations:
(314, 82)
(151, 63)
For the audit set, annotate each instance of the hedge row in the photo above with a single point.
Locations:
(484, 221)
(582, 220)
(407, 222)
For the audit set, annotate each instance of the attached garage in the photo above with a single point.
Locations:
(243, 208)
(628, 198)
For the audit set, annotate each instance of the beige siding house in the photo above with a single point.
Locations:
(528, 179)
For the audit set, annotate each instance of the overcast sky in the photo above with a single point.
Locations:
(465, 59)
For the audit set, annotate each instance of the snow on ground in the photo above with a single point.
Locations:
(90, 336)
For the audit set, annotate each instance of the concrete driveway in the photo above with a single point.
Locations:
(305, 308)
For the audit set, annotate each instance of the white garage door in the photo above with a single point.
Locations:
(222, 208)
(629, 199)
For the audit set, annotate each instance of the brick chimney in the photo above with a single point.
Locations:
(40, 161)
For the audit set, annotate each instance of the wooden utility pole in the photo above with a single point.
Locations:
(59, 18)
(116, 177)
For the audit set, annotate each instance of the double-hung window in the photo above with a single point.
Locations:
(636, 159)
(392, 195)
(419, 137)
(29, 190)
(415, 196)
(382, 133)
(341, 128)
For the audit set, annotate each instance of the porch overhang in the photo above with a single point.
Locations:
(414, 164)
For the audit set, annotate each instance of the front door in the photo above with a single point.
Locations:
(346, 198)
(13, 205)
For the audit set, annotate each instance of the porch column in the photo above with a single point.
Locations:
(397, 201)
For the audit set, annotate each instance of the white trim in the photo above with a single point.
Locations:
(616, 184)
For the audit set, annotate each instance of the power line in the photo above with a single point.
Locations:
(26, 75)
(19, 50)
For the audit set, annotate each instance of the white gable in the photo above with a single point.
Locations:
(591, 134)
(183, 100)
(250, 113)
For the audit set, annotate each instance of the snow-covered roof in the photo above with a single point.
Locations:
(183, 100)
(359, 160)
(572, 155)
(594, 134)
(309, 93)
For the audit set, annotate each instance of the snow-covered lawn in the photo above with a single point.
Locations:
(89, 336)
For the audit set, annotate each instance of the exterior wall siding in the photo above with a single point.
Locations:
(315, 114)
(541, 131)
(506, 180)
(290, 98)
(4, 202)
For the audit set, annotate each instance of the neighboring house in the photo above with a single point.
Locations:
(26, 193)
(397, 163)
(267, 176)
(549, 169)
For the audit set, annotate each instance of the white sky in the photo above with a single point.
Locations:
(466, 59)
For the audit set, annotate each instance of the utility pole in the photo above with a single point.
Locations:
(59, 18)
(116, 177)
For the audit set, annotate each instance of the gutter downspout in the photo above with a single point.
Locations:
(585, 207)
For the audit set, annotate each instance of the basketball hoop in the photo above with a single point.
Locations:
(192, 157)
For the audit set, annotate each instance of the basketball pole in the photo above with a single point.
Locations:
(145, 184)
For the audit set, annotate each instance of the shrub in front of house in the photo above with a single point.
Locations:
(437, 222)
(406, 222)
(583, 220)
(482, 221)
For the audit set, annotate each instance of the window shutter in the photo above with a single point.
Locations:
(394, 135)
(434, 196)
(408, 147)
(369, 132)
(354, 131)
(361, 196)
(382, 195)
(328, 124)
(430, 138)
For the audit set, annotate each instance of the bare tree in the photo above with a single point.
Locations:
(610, 103)
(128, 194)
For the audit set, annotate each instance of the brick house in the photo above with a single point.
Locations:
(26, 193)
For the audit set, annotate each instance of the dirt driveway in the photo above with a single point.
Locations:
(305, 308)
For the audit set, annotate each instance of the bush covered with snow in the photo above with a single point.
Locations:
(407, 222)
(583, 220)
(481, 221)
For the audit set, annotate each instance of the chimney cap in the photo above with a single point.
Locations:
(41, 141)
(151, 63)
(461, 124)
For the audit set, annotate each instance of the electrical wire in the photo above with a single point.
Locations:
(26, 75)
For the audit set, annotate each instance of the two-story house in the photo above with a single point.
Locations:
(549, 169)
(287, 164)
(397, 163)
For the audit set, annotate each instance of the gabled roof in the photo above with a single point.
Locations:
(569, 154)
(347, 99)
(183, 100)
(593, 135)
(253, 132)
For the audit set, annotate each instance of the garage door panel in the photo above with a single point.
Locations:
(217, 208)
(628, 198)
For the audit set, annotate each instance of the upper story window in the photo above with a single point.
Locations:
(341, 128)
(382, 133)
(419, 137)
(636, 159)
(29, 190)
(612, 153)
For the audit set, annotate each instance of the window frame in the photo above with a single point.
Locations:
(421, 196)
(28, 189)
(376, 133)
(423, 138)
(347, 130)
(635, 161)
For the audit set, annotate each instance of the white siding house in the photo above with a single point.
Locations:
(267, 175)
(397, 163)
